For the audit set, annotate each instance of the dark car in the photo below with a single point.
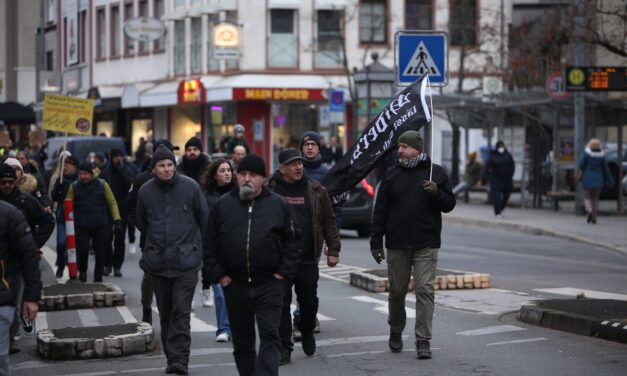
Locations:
(611, 153)
(357, 210)
(80, 147)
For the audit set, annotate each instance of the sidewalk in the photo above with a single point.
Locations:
(610, 232)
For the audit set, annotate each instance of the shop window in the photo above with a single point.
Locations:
(213, 65)
(196, 45)
(185, 125)
(329, 48)
(143, 12)
(82, 35)
(179, 47)
(373, 21)
(231, 16)
(463, 22)
(418, 14)
(158, 11)
(129, 44)
(101, 39)
(282, 41)
(115, 31)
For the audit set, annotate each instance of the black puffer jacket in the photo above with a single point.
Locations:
(499, 170)
(41, 222)
(193, 168)
(17, 250)
(405, 213)
(250, 241)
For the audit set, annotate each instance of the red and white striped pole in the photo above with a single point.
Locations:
(70, 239)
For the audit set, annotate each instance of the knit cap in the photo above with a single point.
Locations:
(309, 136)
(253, 163)
(163, 152)
(194, 141)
(413, 139)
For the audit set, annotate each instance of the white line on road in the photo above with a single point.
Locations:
(491, 330)
(88, 317)
(572, 291)
(197, 325)
(126, 314)
(41, 322)
(51, 258)
(517, 341)
(320, 316)
(382, 305)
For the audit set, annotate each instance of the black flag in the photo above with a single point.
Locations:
(407, 110)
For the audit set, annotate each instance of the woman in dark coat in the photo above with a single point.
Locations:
(593, 175)
(499, 171)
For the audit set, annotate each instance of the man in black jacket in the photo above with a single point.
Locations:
(314, 216)
(17, 252)
(252, 250)
(408, 213)
(194, 162)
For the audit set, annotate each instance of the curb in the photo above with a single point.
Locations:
(112, 296)
(371, 280)
(528, 229)
(51, 347)
(533, 314)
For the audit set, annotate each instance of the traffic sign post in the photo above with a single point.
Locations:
(417, 53)
(336, 106)
(556, 87)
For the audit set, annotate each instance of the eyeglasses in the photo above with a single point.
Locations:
(310, 144)
(7, 182)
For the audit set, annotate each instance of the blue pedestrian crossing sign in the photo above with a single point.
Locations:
(417, 53)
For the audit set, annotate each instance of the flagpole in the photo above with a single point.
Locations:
(432, 116)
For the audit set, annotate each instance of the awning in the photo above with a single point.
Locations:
(161, 95)
(15, 113)
(330, 4)
(283, 4)
(132, 92)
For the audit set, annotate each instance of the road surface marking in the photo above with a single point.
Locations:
(605, 322)
(320, 316)
(51, 258)
(41, 322)
(382, 305)
(571, 291)
(517, 341)
(491, 330)
(126, 314)
(197, 325)
(88, 317)
(616, 325)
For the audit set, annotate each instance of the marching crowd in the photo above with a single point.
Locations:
(252, 238)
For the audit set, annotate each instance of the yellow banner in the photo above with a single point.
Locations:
(68, 114)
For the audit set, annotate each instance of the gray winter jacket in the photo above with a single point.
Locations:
(173, 216)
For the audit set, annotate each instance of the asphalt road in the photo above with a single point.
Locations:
(475, 332)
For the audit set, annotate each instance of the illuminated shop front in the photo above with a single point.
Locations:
(187, 119)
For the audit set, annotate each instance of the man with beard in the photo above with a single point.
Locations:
(408, 213)
(172, 213)
(252, 249)
(313, 213)
(194, 161)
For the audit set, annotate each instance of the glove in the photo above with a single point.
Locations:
(117, 226)
(430, 187)
(378, 255)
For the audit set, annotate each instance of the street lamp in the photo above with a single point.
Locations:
(375, 83)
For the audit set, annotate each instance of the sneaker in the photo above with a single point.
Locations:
(59, 273)
(106, 271)
(286, 357)
(177, 369)
(207, 298)
(317, 328)
(132, 249)
(117, 272)
(223, 337)
(309, 344)
(396, 342)
(423, 349)
(296, 334)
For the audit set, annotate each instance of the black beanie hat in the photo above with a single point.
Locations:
(7, 171)
(253, 163)
(71, 160)
(310, 136)
(87, 167)
(194, 141)
(115, 152)
(162, 153)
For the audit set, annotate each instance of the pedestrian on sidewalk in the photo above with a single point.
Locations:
(172, 212)
(594, 175)
(58, 194)
(314, 216)
(94, 209)
(408, 212)
(119, 174)
(17, 254)
(472, 174)
(499, 173)
(194, 161)
(217, 181)
(253, 249)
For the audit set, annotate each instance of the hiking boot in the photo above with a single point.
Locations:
(177, 369)
(147, 315)
(286, 357)
(117, 272)
(296, 334)
(396, 342)
(309, 344)
(423, 349)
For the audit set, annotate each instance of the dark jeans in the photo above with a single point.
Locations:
(174, 300)
(499, 198)
(306, 288)
(115, 254)
(61, 245)
(96, 237)
(147, 289)
(246, 303)
(131, 231)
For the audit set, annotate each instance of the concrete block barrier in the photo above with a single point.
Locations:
(59, 297)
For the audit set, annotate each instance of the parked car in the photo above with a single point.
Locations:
(611, 153)
(357, 210)
(80, 147)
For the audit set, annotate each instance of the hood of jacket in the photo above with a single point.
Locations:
(28, 183)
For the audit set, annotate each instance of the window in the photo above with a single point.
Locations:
(373, 21)
(65, 39)
(463, 22)
(418, 14)
(143, 12)
(179, 47)
(49, 60)
(52, 11)
(329, 49)
(231, 16)
(115, 31)
(196, 47)
(158, 11)
(180, 3)
(213, 65)
(101, 41)
(282, 43)
(83, 35)
(129, 44)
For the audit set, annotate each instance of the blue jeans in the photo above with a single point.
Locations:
(61, 245)
(6, 319)
(221, 315)
(499, 199)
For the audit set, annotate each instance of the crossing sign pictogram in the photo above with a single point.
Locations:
(417, 53)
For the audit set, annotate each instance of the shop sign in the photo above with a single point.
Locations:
(191, 91)
(226, 41)
(253, 94)
(68, 114)
(144, 29)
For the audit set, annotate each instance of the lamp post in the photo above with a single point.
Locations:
(375, 82)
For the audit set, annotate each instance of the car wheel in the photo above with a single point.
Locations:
(363, 231)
